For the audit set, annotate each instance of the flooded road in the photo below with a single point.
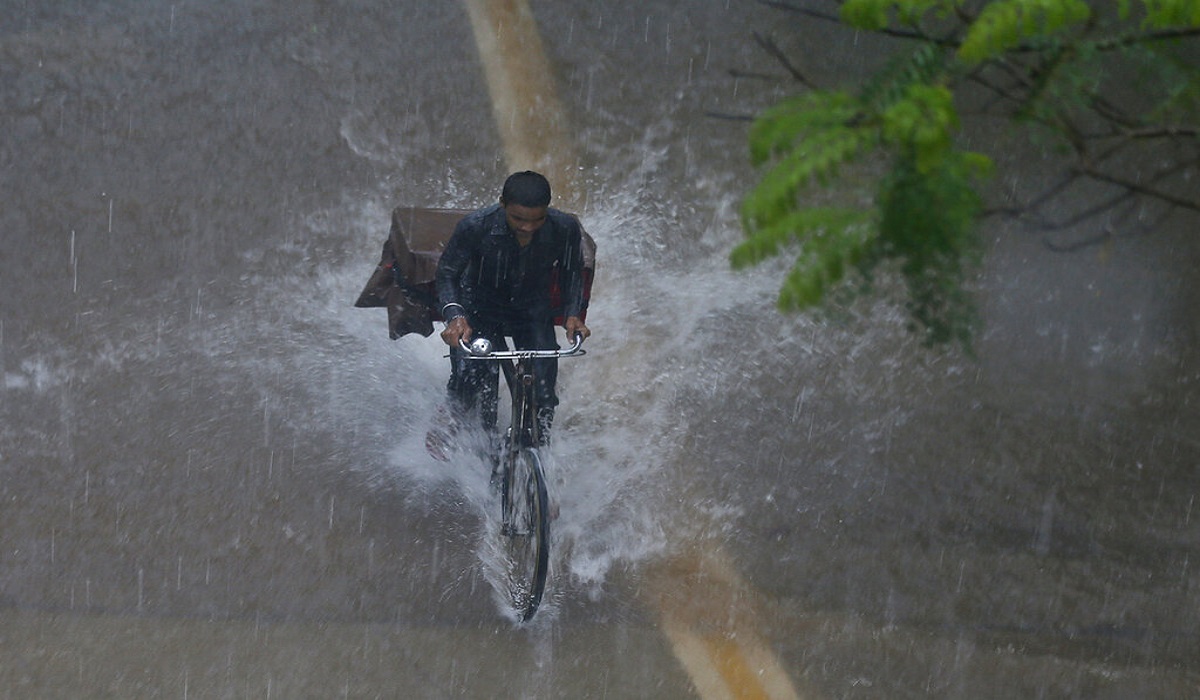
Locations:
(212, 473)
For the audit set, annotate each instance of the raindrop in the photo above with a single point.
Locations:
(1046, 527)
(74, 266)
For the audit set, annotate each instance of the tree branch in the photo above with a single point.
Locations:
(1165, 131)
(1131, 190)
(1138, 188)
(735, 73)
(773, 49)
(1165, 35)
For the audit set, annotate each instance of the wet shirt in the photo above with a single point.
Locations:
(485, 271)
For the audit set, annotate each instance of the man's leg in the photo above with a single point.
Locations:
(474, 384)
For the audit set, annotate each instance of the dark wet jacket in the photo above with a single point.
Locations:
(487, 273)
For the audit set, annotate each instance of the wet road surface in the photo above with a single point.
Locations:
(211, 468)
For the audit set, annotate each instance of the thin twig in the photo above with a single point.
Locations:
(737, 73)
(730, 117)
(1141, 189)
(772, 48)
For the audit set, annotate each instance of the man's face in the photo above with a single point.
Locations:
(524, 220)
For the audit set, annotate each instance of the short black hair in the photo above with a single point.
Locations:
(527, 189)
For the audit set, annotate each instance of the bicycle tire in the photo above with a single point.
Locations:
(525, 530)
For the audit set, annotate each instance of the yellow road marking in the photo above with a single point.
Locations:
(707, 611)
(735, 667)
(710, 615)
(529, 117)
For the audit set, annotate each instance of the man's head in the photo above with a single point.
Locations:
(529, 189)
(525, 198)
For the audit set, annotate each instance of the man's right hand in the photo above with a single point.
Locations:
(457, 330)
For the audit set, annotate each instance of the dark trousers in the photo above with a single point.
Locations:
(476, 383)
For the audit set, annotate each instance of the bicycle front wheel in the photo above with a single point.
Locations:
(526, 531)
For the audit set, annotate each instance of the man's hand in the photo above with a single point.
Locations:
(456, 331)
(575, 325)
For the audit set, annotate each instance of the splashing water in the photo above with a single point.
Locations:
(616, 427)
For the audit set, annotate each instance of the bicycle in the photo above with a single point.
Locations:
(524, 497)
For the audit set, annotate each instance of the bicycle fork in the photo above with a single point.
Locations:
(522, 434)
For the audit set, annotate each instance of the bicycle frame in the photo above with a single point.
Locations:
(524, 497)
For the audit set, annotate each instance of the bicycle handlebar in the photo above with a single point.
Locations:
(481, 349)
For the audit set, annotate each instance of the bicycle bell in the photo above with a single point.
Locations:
(481, 346)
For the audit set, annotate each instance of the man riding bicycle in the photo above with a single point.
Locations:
(495, 279)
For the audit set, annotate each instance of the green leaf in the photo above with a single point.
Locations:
(928, 219)
(924, 65)
(1164, 14)
(874, 15)
(977, 165)
(1005, 24)
(831, 241)
(777, 129)
(871, 15)
(794, 227)
(922, 123)
(814, 158)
